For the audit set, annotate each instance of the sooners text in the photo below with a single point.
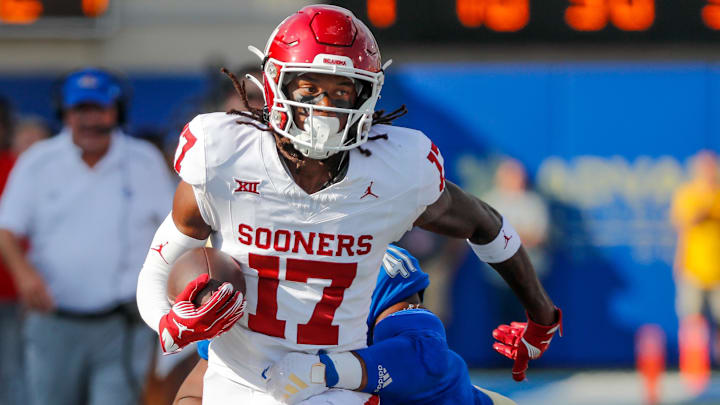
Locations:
(312, 243)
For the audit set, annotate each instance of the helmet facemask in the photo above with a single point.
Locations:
(321, 39)
(322, 135)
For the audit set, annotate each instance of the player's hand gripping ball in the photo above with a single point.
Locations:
(523, 341)
(296, 377)
(207, 289)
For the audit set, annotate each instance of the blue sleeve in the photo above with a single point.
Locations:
(408, 353)
(410, 362)
(202, 348)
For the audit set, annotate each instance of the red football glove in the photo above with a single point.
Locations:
(185, 323)
(522, 341)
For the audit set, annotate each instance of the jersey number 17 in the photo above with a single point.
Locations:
(319, 330)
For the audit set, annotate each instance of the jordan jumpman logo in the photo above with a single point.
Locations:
(159, 250)
(507, 239)
(369, 191)
(182, 328)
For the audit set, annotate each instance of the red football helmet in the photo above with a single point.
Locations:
(328, 40)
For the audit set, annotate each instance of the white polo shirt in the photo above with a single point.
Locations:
(89, 228)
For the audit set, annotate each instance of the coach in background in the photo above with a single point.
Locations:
(89, 201)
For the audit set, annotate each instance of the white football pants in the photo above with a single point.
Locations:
(219, 390)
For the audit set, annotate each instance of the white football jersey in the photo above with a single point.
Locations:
(311, 261)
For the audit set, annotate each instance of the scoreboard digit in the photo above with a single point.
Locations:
(540, 20)
(26, 12)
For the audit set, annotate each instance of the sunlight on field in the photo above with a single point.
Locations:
(592, 388)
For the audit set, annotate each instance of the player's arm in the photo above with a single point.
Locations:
(186, 214)
(31, 286)
(461, 215)
(410, 362)
(409, 359)
(182, 323)
(190, 392)
(298, 376)
(408, 356)
(181, 231)
(17, 210)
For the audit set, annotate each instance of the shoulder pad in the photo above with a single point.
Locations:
(208, 141)
(420, 158)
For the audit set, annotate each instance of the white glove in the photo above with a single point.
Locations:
(296, 377)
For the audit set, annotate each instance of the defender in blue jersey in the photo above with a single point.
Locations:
(407, 360)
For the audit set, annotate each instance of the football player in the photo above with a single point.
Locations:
(415, 335)
(308, 194)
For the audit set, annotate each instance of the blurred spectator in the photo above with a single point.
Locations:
(27, 132)
(101, 197)
(528, 213)
(523, 208)
(157, 139)
(12, 383)
(695, 214)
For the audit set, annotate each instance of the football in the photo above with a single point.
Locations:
(220, 266)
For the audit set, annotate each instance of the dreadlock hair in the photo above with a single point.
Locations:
(379, 117)
(261, 116)
(255, 114)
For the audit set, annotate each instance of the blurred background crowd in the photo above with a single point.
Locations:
(592, 125)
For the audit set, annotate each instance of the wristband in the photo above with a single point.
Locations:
(504, 246)
(331, 376)
(350, 374)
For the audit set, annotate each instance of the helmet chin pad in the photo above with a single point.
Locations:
(322, 132)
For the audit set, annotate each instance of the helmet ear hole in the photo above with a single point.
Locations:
(272, 71)
(279, 119)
